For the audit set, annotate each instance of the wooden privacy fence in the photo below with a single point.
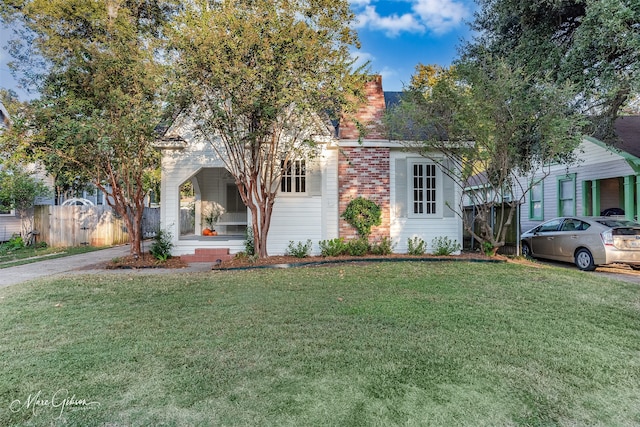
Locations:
(87, 225)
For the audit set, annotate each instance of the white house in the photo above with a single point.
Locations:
(606, 177)
(412, 191)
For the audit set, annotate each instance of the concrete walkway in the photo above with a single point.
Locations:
(87, 263)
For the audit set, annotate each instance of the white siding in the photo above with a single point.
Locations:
(298, 218)
(295, 219)
(405, 227)
(595, 163)
(9, 225)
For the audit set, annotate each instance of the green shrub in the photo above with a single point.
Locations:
(299, 250)
(487, 248)
(161, 247)
(382, 247)
(362, 214)
(333, 247)
(243, 255)
(358, 247)
(15, 242)
(416, 246)
(445, 246)
(249, 245)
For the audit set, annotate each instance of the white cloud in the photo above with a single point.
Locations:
(392, 25)
(361, 58)
(441, 15)
(437, 16)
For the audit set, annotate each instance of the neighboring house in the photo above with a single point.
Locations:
(606, 177)
(10, 223)
(412, 191)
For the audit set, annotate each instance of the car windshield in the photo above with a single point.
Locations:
(617, 223)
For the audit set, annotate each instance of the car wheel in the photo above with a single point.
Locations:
(526, 251)
(584, 260)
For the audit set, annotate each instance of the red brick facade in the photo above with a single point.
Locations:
(364, 171)
(370, 115)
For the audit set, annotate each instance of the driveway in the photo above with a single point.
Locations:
(87, 263)
(615, 272)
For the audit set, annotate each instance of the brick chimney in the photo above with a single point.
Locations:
(362, 170)
(369, 115)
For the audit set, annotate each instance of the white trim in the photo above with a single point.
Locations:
(411, 162)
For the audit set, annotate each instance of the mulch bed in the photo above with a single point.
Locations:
(246, 262)
(145, 261)
(238, 262)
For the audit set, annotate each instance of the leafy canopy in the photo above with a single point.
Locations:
(102, 85)
(593, 44)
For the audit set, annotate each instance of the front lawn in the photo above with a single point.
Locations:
(398, 343)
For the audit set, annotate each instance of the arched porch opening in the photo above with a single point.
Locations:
(211, 207)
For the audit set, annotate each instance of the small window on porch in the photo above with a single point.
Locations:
(294, 177)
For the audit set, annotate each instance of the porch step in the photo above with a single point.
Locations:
(207, 255)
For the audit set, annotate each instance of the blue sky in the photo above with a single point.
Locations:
(395, 36)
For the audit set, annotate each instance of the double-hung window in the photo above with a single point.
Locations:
(567, 195)
(294, 177)
(536, 201)
(424, 192)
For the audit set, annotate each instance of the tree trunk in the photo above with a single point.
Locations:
(260, 215)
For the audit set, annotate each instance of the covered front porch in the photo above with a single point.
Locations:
(612, 196)
(212, 214)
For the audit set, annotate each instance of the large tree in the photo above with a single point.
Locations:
(491, 128)
(263, 78)
(100, 85)
(594, 44)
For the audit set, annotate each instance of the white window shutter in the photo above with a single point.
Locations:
(314, 178)
(448, 192)
(401, 188)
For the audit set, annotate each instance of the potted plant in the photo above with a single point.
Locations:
(211, 216)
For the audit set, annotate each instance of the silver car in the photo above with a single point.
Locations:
(588, 242)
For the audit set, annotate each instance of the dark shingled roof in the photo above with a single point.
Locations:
(392, 98)
(628, 132)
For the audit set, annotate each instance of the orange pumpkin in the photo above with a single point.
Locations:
(206, 232)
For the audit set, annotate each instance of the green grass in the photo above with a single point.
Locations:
(28, 255)
(411, 344)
